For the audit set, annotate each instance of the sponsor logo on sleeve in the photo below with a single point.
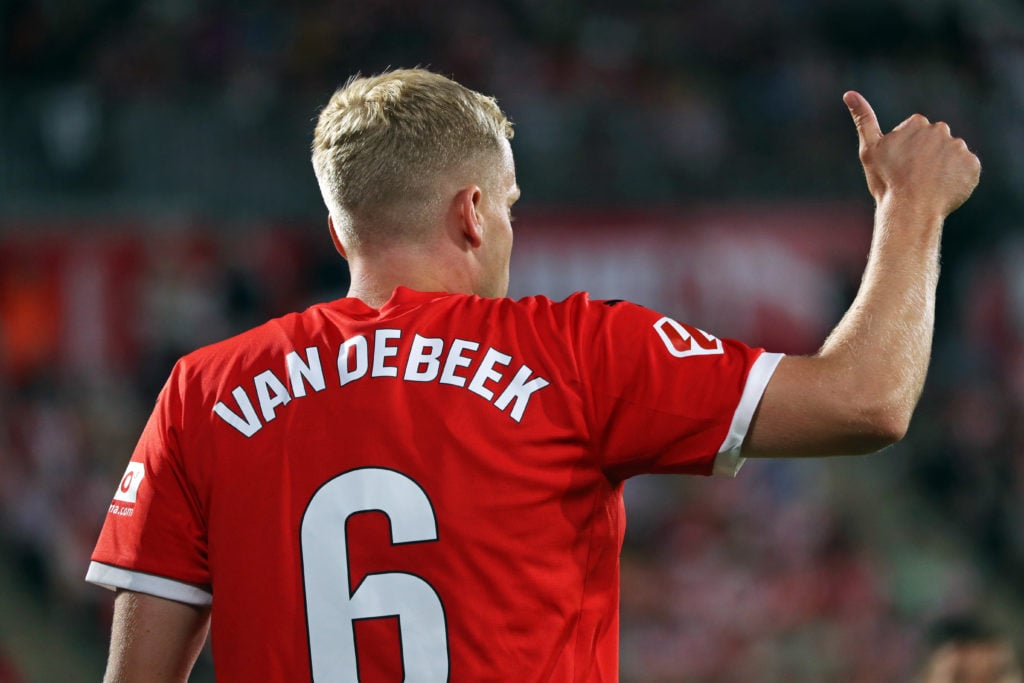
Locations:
(684, 340)
(128, 490)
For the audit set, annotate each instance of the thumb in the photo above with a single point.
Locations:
(863, 117)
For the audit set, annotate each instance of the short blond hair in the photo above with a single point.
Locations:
(382, 142)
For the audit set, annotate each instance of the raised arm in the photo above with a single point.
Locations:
(857, 394)
(154, 640)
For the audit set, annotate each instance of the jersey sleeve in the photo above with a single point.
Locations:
(153, 539)
(664, 396)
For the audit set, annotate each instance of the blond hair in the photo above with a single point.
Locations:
(383, 141)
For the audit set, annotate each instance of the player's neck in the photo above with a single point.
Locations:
(375, 280)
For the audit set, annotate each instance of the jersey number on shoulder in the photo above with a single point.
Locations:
(332, 610)
(684, 340)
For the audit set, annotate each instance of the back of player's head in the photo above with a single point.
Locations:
(382, 142)
(966, 647)
(960, 629)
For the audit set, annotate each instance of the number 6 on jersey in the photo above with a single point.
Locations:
(332, 610)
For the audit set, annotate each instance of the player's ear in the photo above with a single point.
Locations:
(334, 238)
(467, 204)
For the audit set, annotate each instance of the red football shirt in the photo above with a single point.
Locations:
(429, 491)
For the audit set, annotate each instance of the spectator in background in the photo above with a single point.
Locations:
(966, 649)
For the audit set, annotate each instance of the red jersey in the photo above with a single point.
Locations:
(430, 491)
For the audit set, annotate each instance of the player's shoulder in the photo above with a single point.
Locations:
(527, 310)
(577, 309)
(575, 302)
(581, 304)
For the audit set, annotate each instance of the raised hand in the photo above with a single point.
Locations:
(919, 162)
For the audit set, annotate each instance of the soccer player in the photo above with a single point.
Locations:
(965, 649)
(423, 480)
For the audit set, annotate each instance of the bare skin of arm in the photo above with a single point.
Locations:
(154, 640)
(857, 394)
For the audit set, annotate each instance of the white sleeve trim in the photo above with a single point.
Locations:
(728, 461)
(113, 577)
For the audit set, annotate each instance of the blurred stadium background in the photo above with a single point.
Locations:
(156, 194)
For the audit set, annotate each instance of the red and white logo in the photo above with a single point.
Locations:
(683, 340)
(128, 489)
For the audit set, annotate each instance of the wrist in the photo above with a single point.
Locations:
(905, 207)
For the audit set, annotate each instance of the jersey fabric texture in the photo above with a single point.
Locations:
(428, 491)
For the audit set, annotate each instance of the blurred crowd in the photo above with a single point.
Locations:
(156, 195)
(207, 104)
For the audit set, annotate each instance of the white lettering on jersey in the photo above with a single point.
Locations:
(520, 389)
(420, 356)
(486, 372)
(301, 372)
(356, 346)
(128, 490)
(457, 360)
(270, 392)
(426, 361)
(683, 340)
(249, 422)
(381, 351)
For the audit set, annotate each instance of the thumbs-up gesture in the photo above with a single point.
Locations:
(918, 162)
